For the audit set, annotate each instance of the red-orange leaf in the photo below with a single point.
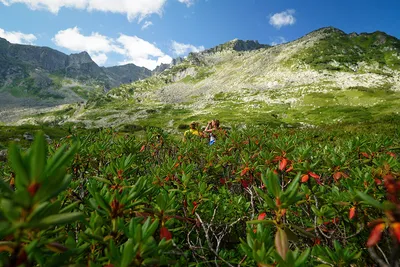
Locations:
(396, 230)
(244, 183)
(335, 220)
(143, 148)
(365, 154)
(33, 188)
(244, 171)
(290, 169)
(391, 154)
(375, 235)
(314, 175)
(317, 241)
(337, 176)
(352, 213)
(6, 248)
(278, 201)
(164, 233)
(304, 178)
(283, 164)
(262, 216)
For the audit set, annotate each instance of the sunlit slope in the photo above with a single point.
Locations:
(324, 77)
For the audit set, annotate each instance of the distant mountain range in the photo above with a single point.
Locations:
(327, 76)
(41, 73)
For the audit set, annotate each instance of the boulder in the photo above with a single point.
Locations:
(3, 155)
(28, 136)
(48, 139)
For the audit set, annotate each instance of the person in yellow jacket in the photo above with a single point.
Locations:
(193, 130)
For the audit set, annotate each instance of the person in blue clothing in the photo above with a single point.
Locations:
(212, 129)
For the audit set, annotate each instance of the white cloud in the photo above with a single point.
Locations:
(134, 9)
(180, 49)
(73, 40)
(188, 3)
(17, 37)
(278, 40)
(146, 24)
(51, 5)
(100, 59)
(134, 49)
(283, 19)
(141, 52)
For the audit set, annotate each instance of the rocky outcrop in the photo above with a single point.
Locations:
(127, 73)
(81, 66)
(163, 66)
(236, 45)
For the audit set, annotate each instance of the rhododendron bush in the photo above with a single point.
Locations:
(258, 197)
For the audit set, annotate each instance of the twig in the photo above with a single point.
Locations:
(376, 257)
(209, 240)
(383, 254)
(244, 258)
(324, 262)
(248, 190)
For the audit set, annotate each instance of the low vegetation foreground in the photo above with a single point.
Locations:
(257, 197)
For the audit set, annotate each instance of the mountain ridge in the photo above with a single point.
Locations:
(326, 75)
(35, 76)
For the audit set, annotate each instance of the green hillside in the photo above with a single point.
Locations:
(325, 77)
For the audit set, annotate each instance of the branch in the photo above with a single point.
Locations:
(376, 257)
(209, 240)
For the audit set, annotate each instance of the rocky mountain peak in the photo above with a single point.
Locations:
(236, 45)
(3, 42)
(324, 33)
(164, 66)
(80, 58)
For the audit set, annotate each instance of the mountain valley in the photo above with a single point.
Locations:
(325, 77)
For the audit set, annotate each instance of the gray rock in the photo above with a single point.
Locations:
(3, 155)
(28, 136)
(48, 139)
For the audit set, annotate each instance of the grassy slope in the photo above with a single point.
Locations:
(309, 81)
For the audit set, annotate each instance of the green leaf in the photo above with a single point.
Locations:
(37, 157)
(60, 159)
(291, 236)
(70, 207)
(54, 186)
(302, 231)
(150, 231)
(61, 219)
(369, 200)
(5, 189)
(127, 253)
(273, 184)
(38, 211)
(303, 257)
(102, 203)
(102, 180)
(261, 222)
(270, 203)
(294, 183)
(21, 174)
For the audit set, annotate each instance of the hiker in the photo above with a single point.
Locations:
(193, 129)
(212, 129)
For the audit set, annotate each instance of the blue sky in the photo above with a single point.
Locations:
(150, 32)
